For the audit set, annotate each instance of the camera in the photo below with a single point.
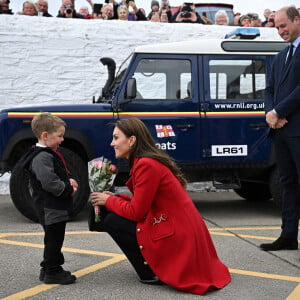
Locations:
(186, 14)
(204, 14)
(106, 1)
(69, 9)
(127, 1)
(255, 17)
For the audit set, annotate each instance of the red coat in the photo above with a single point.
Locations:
(173, 238)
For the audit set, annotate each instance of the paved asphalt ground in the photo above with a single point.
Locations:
(237, 228)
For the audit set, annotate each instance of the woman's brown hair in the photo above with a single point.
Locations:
(145, 146)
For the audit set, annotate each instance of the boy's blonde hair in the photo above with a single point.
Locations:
(46, 122)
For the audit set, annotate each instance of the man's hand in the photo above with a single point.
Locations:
(272, 119)
(280, 123)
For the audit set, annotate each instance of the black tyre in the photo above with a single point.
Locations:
(20, 189)
(252, 191)
(275, 187)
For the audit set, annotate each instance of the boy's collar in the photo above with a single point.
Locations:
(40, 145)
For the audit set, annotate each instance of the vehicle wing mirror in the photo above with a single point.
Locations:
(131, 88)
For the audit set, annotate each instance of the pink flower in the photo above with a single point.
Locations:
(99, 163)
(113, 168)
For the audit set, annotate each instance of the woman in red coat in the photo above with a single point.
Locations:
(159, 228)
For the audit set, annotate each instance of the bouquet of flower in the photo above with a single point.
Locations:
(102, 174)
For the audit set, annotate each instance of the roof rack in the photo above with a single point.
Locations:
(245, 33)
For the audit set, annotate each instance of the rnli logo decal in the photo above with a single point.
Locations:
(163, 131)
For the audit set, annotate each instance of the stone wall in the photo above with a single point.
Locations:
(53, 60)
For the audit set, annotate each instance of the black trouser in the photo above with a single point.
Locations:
(123, 231)
(287, 150)
(53, 242)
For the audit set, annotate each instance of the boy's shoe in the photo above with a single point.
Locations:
(63, 277)
(42, 274)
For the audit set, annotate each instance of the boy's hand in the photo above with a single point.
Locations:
(74, 184)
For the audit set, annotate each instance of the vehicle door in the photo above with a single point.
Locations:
(166, 101)
(232, 114)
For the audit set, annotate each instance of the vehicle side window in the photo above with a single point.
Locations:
(237, 79)
(163, 79)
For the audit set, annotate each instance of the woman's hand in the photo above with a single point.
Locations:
(100, 198)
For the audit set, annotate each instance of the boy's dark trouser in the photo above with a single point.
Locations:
(123, 231)
(53, 241)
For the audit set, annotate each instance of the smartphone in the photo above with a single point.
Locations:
(204, 14)
(97, 8)
(106, 1)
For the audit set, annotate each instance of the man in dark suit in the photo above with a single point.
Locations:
(282, 106)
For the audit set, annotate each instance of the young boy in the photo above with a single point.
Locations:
(52, 192)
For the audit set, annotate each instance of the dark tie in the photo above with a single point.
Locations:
(290, 55)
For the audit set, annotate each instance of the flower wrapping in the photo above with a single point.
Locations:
(102, 174)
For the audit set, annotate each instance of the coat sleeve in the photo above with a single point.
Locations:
(290, 103)
(269, 91)
(290, 99)
(146, 178)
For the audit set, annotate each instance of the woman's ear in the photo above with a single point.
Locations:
(132, 140)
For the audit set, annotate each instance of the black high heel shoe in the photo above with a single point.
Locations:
(154, 281)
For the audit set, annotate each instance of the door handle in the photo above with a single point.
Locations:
(258, 125)
(185, 126)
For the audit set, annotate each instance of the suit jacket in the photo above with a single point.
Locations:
(172, 235)
(283, 91)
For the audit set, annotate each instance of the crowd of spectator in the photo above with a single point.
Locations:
(127, 10)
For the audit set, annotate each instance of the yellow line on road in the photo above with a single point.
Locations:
(246, 228)
(45, 287)
(265, 275)
(255, 237)
(295, 295)
(243, 236)
(65, 249)
(10, 234)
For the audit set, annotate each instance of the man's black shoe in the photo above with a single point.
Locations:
(64, 277)
(280, 244)
(43, 272)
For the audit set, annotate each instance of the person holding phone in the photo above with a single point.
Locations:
(134, 13)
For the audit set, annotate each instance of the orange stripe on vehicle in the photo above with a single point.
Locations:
(60, 114)
(140, 114)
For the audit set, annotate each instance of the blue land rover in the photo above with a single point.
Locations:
(202, 100)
